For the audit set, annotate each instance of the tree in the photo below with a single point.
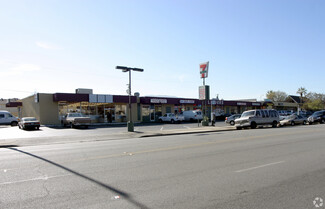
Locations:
(276, 96)
(302, 91)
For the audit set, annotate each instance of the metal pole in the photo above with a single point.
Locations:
(130, 112)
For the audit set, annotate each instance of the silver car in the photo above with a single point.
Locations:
(293, 120)
(231, 119)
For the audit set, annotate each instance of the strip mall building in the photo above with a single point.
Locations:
(49, 108)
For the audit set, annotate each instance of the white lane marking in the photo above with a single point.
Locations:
(162, 128)
(35, 179)
(261, 166)
(187, 127)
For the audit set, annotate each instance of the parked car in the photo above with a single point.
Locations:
(231, 119)
(6, 118)
(254, 118)
(318, 116)
(75, 120)
(29, 123)
(171, 117)
(192, 115)
(293, 120)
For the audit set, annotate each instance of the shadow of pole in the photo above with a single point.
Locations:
(105, 186)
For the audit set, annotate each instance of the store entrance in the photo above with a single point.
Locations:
(109, 115)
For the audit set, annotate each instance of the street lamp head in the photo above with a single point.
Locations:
(137, 69)
(121, 68)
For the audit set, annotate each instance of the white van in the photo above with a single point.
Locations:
(254, 118)
(6, 118)
(193, 115)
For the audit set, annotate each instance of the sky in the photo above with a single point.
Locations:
(252, 46)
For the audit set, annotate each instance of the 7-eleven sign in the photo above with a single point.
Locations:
(204, 69)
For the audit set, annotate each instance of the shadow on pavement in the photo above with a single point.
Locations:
(103, 185)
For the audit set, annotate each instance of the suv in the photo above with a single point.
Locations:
(318, 116)
(253, 118)
(6, 118)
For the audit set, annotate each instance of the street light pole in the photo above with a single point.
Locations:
(124, 69)
(130, 112)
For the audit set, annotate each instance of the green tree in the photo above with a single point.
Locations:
(276, 96)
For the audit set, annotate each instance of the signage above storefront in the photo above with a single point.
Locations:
(100, 98)
(186, 101)
(241, 103)
(158, 101)
(256, 104)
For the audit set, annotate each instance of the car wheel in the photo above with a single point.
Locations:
(172, 121)
(304, 123)
(14, 123)
(160, 121)
(292, 123)
(274, 124)
(322, 120)
(253, 125)
(232, 122)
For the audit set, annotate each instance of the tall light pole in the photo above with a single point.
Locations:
(124, 69)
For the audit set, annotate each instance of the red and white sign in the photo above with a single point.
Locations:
(204, 69)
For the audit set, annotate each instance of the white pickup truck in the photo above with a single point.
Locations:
(171, 117)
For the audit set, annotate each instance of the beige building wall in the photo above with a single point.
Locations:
(46, 111)
(49, 110)
(134, 109)
(13, 110)
(30, 108)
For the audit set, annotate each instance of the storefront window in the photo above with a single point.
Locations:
(120, 113)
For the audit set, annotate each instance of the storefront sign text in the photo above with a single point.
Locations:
(241, 103)
(162, 101)
(186, 101)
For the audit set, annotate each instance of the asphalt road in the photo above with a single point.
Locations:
(261, 168)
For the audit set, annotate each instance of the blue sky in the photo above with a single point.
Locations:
(253, 46)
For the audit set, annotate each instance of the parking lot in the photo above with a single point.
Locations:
(9, 132)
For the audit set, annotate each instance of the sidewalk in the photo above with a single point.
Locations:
(32, 141)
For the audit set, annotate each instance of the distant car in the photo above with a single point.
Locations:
(293, 120)
(231, 119)
(29, 123)
(192, 115)
(75, 120)
(318, 116)
(171, 117)
(6, 118)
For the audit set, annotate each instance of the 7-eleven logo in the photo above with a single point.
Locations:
(204, 69)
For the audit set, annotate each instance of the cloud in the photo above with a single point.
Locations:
(46, 45)
(21, 69)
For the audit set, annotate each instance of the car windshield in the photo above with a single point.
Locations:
(29, 119)
(317, 113)
(248, 113)
(75, 115)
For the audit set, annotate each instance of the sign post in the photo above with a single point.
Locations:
(204, 90)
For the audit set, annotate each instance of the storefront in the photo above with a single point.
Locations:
(154, 107)
(235, 107)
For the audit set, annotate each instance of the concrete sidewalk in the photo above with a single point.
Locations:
(105, 137)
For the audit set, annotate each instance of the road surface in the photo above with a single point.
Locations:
(253, 169)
